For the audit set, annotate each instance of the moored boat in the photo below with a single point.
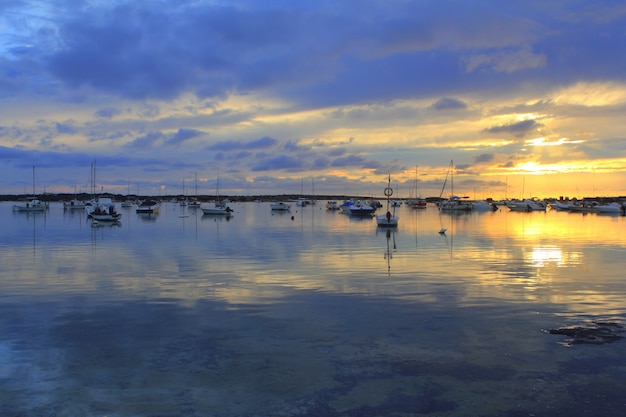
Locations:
(455, 203)
(483, 205)
(280, 206)
(362, 209)
(527, 205)
(219, 208)
(417, 203)
(104, 211)
(148, 207)
(388, 219)
(332, 205)
(33, 205)
(611, 208)
(74, 204)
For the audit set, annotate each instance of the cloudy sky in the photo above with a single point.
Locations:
(528, 98)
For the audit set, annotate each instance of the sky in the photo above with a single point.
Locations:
(247, 97)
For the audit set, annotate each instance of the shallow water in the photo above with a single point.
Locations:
(309, 313)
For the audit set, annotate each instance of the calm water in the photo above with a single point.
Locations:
(180, 314)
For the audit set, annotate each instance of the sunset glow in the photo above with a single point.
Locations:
(287, 93)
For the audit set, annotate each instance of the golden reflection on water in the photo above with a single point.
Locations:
(259, 257)
(226, 306)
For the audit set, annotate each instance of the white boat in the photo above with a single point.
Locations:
(332, 205)
(104, 211)
(388, 219)
(183, 201)
(194, 203)
(483, 205)
(416, 202)
(303, 202)
(454, 203)
(345, 206)
(584, 207)
(361, 209)
(128, 203)
(216, 210)
(74, 204)
(527, 205)
(34, 205)
(611, 208)
(219, 207)
(561, 205)
(280, 206)
(148, 207)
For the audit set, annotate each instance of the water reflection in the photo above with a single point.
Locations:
(320, 314)
(390, 238)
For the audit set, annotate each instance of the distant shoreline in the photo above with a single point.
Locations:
(60, 197)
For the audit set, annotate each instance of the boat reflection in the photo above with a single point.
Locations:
(96, 223)
(390, 237)
(216, 217)
(148, 217)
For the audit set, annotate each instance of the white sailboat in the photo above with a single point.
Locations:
(183, 202)
(128, 202)
(454, 203)
(388, 219)
(102, 209)
(74, 204)
(195, 203)
(219, 207)
(416, 201)
(34, 205)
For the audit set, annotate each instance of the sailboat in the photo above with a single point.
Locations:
(103, 208)
(417, 202)
(34, 205)
(183, 202)
(128, 202)
(454, 203)
(195, 203)
(388, 219)
(74, 204)
(219, 208)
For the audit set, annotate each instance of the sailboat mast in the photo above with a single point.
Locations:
(446, 180)
(452, 177)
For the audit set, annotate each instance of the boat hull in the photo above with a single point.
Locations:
(387, 221)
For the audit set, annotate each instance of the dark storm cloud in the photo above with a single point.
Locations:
(519, 129)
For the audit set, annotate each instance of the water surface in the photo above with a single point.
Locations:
(309, 313)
